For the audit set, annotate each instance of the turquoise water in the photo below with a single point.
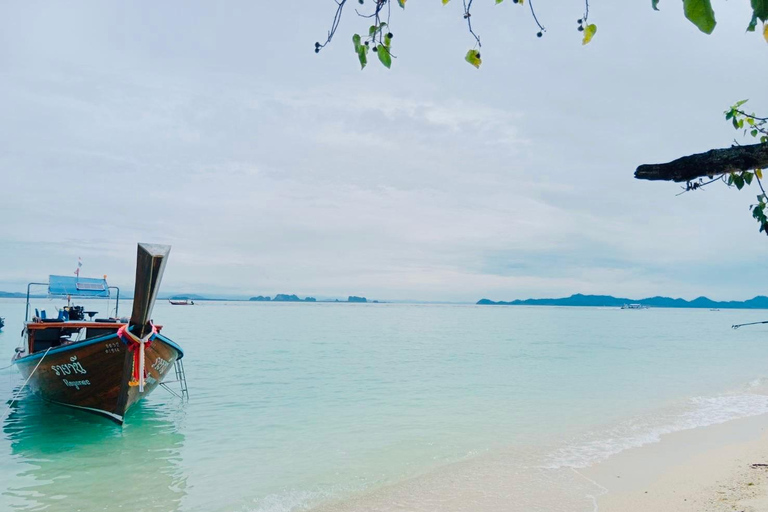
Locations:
(294, 406)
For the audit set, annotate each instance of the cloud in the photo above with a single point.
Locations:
(271, 169)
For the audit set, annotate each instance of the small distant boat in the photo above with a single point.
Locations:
(715, 309)
(634, 306)
(106, 365)
(2, 322)
(182, 302)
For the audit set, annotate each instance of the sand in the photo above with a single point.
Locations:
(701, 470)
(707, 469)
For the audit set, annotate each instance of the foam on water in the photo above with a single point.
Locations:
(597, 445)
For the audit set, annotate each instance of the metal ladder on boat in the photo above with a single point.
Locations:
(181, 378)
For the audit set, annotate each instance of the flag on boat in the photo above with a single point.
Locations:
(79, 264)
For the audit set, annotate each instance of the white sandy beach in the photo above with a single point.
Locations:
(702, 470)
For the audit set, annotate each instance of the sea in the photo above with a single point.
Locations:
(418, 407)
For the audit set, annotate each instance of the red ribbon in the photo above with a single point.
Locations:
(132, 341)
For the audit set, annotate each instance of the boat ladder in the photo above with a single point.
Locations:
(181, 378)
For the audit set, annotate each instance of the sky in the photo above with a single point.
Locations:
(215, 128)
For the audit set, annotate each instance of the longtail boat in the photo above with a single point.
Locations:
(102, 365)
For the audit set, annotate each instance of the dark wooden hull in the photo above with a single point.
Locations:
(94, 375)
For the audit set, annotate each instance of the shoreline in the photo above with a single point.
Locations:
(699, 470)
(703, 469)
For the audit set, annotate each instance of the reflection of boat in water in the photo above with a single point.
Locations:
(182, 302)
(634, 306)
(65, 460)
(107, 365)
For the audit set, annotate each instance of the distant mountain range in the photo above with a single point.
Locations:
(15, 295)
(759, 302)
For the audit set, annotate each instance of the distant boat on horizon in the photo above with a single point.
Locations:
(182, 302)
(634, 306)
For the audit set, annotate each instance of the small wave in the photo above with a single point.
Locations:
(596, 446)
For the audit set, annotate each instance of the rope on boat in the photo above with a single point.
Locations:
(134, 342)
(16, 397)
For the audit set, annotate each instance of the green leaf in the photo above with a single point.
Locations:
(473, 57)
(589, 32)
(402, 3)
(372, 30)
(362, 55)
(387, 40)
(735, 123)
(752, 23)
(748, 177)
(499, 1)
(384, 56)
(700, 13)
(760, 9)
(446, 1)
(729, 115)
(655, 5)
(738, 181)
(740, 103)
(753, 133)
(356, 41)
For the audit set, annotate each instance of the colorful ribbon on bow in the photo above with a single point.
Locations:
(137, 345)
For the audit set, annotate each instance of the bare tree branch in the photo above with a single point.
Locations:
(712, 163)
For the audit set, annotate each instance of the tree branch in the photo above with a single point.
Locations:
(712, 163)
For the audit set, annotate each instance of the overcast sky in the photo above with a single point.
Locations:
(214, 127)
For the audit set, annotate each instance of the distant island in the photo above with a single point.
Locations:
(759, 302)
(284, 297)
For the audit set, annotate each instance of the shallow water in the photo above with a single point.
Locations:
(300, 405)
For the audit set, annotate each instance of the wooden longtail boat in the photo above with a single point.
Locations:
(107, 365)
(181, 302)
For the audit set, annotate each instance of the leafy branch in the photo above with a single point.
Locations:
(757, 128)
(698, 12)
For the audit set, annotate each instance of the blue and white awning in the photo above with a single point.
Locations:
(78, 286)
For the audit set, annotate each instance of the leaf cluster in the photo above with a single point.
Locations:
(698, 12)
(755, 127)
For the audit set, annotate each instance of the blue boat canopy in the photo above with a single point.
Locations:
(78, 286)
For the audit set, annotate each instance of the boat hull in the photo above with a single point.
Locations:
(95, 375)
